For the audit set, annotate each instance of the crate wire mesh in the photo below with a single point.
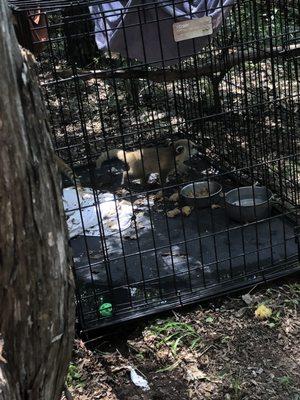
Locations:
(236, 96)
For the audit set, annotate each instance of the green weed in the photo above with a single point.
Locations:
(176, 335)
(285, 381)
(74, 377)
(236, 386)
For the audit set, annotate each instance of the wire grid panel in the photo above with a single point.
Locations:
(117, 91)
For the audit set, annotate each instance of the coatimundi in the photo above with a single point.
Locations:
(161, 160)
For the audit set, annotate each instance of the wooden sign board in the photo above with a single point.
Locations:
(193, 28)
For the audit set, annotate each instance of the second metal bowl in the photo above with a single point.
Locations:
(248, 203)
(201, 194)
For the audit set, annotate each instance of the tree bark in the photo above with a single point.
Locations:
(36, 286)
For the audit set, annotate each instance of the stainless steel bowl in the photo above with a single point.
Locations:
(248, 203)
(201, 194)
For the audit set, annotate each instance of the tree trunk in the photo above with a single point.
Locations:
(36, 286)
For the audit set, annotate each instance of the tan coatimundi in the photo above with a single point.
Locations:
(161, 160)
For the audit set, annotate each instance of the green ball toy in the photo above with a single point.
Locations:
(105, 310)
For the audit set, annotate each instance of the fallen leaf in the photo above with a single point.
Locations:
(118, 368)
(173, 213)
(241, 312)
(159, 196)
(193, 373)
(140, 202)
(247, 298)
(186, 210)
(174, 197)
(164, 354)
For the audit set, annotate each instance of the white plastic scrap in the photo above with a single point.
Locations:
(153, 178)
(247, 299)
(133, 291)
(114, 215)
(138, 380)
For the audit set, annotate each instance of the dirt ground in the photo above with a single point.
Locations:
(220, 350)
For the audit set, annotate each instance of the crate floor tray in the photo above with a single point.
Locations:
(187, 258)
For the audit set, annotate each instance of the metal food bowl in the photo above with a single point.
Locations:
(200, 194)
(248, 203)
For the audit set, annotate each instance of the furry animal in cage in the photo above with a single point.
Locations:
(159, 160)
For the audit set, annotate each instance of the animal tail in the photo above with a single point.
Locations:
(67, 171)
(114, 153)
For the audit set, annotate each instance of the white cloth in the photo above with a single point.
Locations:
(109, 216)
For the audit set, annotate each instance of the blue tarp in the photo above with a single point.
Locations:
(144, 31)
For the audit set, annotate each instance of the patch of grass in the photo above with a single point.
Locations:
(275, 320)
(294, 289)
(291, 303)
(74, 378)
(286, 381)
(176, 335)
(236, 385)
(169, 367)
(225, 339)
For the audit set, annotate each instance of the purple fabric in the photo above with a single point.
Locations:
(143, 31)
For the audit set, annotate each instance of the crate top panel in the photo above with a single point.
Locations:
(49, 5)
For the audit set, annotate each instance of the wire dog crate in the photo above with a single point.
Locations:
(225, 78)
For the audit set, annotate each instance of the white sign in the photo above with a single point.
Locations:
(193, 28)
